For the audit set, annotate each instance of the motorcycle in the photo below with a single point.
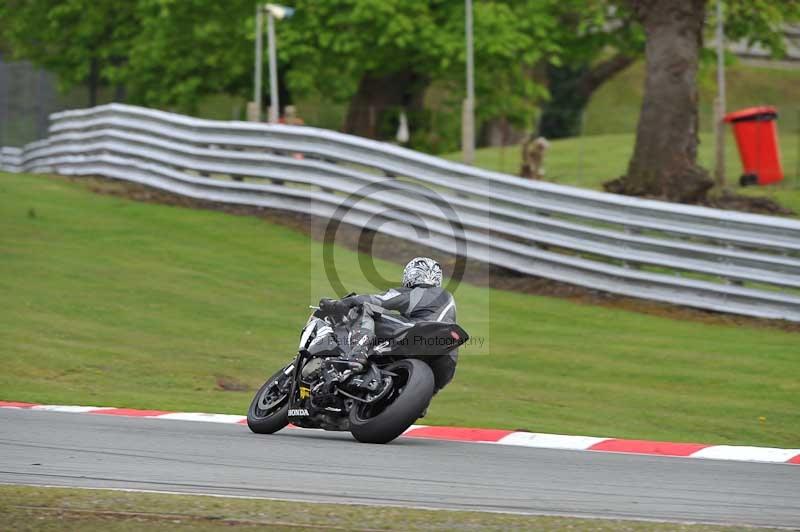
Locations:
(376, 401)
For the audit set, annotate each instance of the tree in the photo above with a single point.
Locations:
(379, 56)
(157, 52)
(382, 55)
(597, 39)
(81, 41)
(665, 155)
(187, 50)
(664, 162)
(367, 52)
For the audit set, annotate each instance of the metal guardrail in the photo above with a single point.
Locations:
(718, 260)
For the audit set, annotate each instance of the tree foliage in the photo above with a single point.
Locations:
(598, 38)
(188, 49)
(758, 22)
(171, 53)
(81, 41)
(334, 47)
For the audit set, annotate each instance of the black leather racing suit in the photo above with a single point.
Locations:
(421, 303)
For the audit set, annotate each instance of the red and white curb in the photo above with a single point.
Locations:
(495, 436)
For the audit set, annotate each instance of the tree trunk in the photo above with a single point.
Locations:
(120, 93)
(561, 115)
(374, 109)
(664, 162)
(120, 90)
(93, 81)
(571, 87)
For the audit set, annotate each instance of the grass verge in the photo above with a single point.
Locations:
(603, 152)
(33, 508)
(591, 160)
(113, 302)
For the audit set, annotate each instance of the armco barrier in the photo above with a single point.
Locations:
(705, 258)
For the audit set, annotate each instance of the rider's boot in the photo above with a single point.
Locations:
(360, 351)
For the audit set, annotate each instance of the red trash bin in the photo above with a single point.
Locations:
(757, 138)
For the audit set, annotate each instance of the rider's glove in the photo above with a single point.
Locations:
(327, 305)
(333, 306)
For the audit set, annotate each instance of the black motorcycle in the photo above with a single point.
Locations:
(376, 402)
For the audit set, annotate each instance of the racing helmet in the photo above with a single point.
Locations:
(422, 271)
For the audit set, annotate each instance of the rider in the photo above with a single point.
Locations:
(421, 298)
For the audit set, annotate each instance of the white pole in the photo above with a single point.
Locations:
(273, 71)
(468, 112)
(259, 60)
(720, 107)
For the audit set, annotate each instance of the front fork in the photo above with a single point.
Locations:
(299, 362)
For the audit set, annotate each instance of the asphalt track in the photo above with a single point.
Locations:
(62, 449)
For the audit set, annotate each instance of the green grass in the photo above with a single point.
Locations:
(589, 161)
(108, 301)
(34, 508)
(604, 150)
(614, 107)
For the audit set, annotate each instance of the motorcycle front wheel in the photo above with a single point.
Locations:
(387, 419)
(269, 410)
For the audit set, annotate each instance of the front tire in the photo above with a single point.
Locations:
(381, 423)
(269, 409)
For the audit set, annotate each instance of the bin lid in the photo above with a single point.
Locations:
(752, 113)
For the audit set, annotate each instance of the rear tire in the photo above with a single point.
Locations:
(406, 403)
(269, 409)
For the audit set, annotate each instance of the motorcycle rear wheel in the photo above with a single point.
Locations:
(390, 417)
(269, 409)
